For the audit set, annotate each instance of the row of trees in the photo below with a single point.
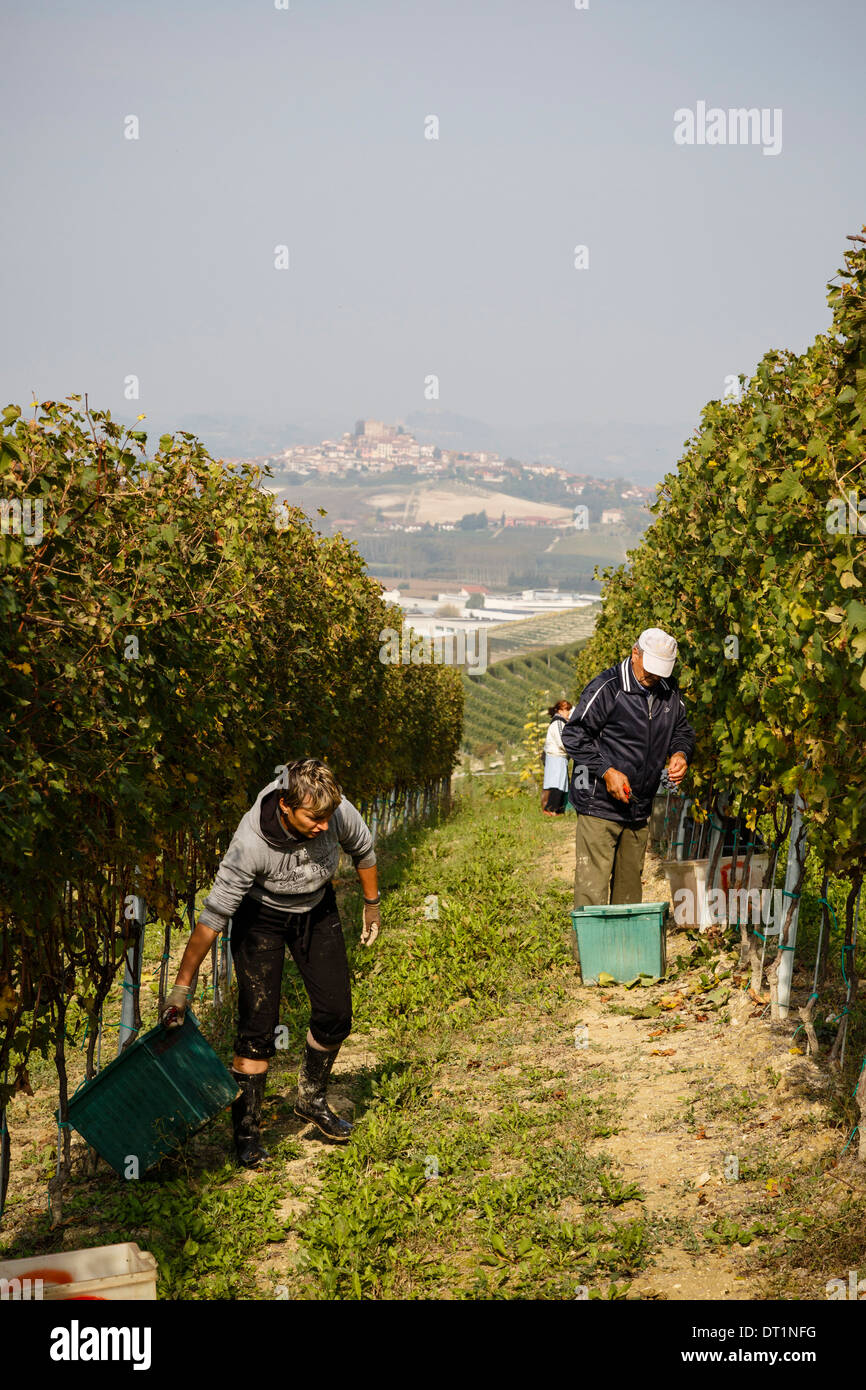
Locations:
(171, 635)
(755, 562)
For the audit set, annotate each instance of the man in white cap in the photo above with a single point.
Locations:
(628, 723)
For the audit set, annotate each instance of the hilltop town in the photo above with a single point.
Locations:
(387, 454)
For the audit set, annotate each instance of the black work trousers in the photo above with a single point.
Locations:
(259, 939)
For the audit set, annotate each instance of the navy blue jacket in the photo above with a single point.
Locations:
(612, 725)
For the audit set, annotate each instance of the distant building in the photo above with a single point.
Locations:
(612, 517)
(376, 429)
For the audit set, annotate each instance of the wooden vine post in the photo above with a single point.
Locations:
(780, 973)
(849, 970)
(129, 1022)
(807, 1011)
(755, 942)
(860, 1102)
(679, 845)
(715, 845)
(4, 1155)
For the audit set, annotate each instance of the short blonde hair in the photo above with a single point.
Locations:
(311, 785)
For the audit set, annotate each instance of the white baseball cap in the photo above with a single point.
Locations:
(658, 651)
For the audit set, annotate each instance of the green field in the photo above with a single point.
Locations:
(497, 702)
(540, 633)
(514, 557)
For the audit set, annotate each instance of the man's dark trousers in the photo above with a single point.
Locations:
(609, 856)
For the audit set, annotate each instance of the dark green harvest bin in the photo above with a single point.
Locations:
(625, 940)
(152, 1097)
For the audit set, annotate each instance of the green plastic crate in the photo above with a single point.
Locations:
(152, 1097)
(625, 940)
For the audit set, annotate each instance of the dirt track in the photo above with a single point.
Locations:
(703, 1091)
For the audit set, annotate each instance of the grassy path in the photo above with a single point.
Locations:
(519, 1135)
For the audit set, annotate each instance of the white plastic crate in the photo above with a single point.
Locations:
(691, 874)
(103, 1272)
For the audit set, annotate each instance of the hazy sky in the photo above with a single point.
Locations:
(410, 256)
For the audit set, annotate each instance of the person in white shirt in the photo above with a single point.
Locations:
(555, 788)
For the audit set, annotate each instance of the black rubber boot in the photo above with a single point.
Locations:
(246, 1118)
(312, 1087)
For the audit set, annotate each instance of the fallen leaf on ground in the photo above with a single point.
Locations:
(671, 1001)
(775, 1186)
(717, 997)
(663, 1052)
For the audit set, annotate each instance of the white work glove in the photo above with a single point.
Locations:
(372, 923)
(175, 1006)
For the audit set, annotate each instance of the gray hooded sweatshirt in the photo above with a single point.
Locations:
(278, 869)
